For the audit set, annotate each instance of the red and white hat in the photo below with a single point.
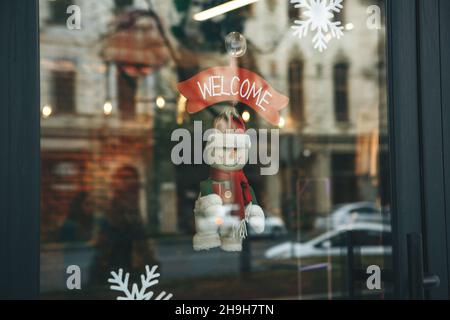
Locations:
(229, 131)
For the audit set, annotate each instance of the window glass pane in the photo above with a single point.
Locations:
(294, 177)
(339, 241)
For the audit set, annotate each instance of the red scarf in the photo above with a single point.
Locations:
(240, 188)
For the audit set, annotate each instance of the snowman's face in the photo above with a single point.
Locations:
(229, 159)
(226, 153)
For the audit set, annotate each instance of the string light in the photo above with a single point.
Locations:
(47, 111)
(246, 116)
(349, 26)
(107, 108)
(160, 102)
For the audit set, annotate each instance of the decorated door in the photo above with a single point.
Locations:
(259, 149)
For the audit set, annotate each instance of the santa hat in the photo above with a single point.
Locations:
(230, 131)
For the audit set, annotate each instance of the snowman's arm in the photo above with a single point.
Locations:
(208, 203)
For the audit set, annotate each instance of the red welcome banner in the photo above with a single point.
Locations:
(220, 84)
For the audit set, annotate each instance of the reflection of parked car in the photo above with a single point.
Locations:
(352, 213)
(368, 237)
(274, 227)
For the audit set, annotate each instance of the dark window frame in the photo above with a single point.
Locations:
(20, 140)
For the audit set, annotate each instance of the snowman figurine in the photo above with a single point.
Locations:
(226, 202)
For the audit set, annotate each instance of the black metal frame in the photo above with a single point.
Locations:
(20, 147)
(444, 11)
(435, 230)
(419, 177)
(404, 134)
(419, 128)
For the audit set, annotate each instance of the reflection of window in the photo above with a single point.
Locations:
(63, 84)
(344, 181)
(58, 11)
(294, 13)
(340, 16)
(127, 88)
(340, 78)
(122, 4)
(296, 90)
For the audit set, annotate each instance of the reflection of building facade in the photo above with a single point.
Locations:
(98, 105)
(332, 124)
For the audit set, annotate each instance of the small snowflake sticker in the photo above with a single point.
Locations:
(119, 282)
(319, 15)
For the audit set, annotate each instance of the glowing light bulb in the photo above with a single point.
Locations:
(307, 153)
(160, 102)
(246, 116)
(282, 123)
(47, 111)
(107, 108)
(349, 26)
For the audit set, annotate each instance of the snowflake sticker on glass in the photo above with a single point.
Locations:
(120, 282)
(318, 19)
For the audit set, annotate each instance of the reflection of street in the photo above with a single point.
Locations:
(216, 273)
(179, 260)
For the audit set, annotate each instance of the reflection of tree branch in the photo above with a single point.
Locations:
(173, 54)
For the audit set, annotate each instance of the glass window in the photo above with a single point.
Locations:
(127, 89)
(337, 241)
(130, 179)
(340, 15)
(294, 13)
(63, 90)
(58, 11)
(341, 92)
(122, 4)
(296, 90)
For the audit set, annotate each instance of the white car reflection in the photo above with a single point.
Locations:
(349, 213)
(369, 238)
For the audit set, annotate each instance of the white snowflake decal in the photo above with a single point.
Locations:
(319, 14)
(150, 279)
